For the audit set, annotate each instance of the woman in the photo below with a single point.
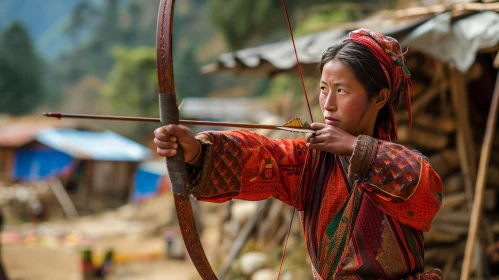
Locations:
(364, 200)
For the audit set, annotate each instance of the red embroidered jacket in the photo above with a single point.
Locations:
(362, 220)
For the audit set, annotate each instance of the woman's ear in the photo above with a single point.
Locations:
(382, 98)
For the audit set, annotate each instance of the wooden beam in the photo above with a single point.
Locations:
(345, 5)
(476, 211)
(241, 239)
(476, 7)
(422, 138)
(496, 61)
(465, 144)
(440, 8)
(63, 198)
(422, 101)
(419, 11)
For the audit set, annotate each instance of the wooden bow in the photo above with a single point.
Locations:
(169, 114)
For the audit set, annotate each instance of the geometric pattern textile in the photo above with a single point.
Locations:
(372, 229)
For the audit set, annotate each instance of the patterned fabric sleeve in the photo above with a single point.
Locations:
(400, 180)
(245, 165)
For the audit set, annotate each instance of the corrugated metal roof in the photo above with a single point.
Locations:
(276, 57)
(452, 40)
(227, 109)
(106, 145)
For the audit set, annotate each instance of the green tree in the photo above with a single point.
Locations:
(241, 21)
(84, 14)
(21, 72)
(96, 29)
(132, 84)
(245, 22)
(189, 81)
(132, 89)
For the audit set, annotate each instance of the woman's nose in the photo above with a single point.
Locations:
(330, 104)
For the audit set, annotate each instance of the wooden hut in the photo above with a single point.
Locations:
(96, 168)
(103, 165)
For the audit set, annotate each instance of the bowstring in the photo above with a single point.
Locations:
(297, 60)
(308, 151)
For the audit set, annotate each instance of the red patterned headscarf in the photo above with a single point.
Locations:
(391, 59)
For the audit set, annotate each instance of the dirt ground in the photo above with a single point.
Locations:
(133, 232)
(40, 263)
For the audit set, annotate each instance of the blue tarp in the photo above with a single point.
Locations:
(149, 179)
(63, 146)
(146, 185)
(103, 146)
(39, 164)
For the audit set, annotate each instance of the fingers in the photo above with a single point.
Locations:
(170, 137)
(318, 145)
(165, 139)
(165, 133)
(309, 136)
(166, 148)
(166, 153)
(318, 126)
(317, 139)
(166, 144)
(322, 139)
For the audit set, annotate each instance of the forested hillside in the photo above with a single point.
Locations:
(108, 66)
(38, 16)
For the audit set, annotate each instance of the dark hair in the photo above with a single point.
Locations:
(365, 67)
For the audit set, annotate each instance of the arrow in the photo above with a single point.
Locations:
(302, 129)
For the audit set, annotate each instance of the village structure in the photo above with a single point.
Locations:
(111, 194)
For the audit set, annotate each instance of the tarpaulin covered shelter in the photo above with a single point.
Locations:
(16, 134)
(96, 168)
(451, 38)
(53, 152)
(150, 179)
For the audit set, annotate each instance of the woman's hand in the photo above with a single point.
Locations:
(168, 137)
(331, 139)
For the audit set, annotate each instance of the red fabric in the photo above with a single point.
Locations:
(391, 59)
(419, 208)
(252, 167)
(351, 231)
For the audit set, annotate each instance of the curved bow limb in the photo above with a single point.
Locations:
(169, 114)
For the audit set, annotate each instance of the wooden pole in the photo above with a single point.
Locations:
(480, 183)
(496, 61)
(3, 273)
(241, 239)
(465, 144)
(63, 198)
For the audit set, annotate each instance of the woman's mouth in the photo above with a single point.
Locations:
(331, 121)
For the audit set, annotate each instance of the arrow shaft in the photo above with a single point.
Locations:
(141, 119)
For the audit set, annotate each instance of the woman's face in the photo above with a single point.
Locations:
(344, 101)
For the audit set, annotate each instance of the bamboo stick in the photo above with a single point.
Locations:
(480, 183)
(241, 239)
